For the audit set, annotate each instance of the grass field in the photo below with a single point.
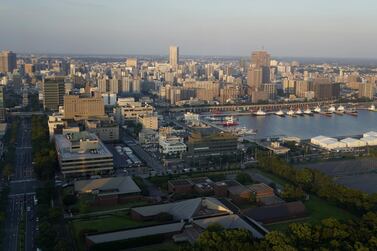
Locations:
(318, 210)
(111, 222)
(165, 246)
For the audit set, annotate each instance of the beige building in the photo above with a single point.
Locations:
(149, 121)
(82, 153)
(367, 90)
(131, 62)
(174, 56)
(82, 107)
(8, 61)
(106, 130)
(254, 78)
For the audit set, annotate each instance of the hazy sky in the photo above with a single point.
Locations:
(329, 28)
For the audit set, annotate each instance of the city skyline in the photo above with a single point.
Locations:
(320, 29)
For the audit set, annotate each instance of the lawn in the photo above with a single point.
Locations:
(110, 222)
(165, 246)
(319, 209)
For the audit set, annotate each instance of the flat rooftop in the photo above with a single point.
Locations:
(64, 149)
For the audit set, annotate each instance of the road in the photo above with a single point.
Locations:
(22, 192)
(142, 154)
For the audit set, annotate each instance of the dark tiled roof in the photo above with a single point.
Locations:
(275, 213)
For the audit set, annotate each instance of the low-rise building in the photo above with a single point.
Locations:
(106, 130)
(353, 143)
(109, 191)
(82, 153)
(149, 121)
(171, 145)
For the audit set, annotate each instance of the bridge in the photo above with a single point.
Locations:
(247, 107)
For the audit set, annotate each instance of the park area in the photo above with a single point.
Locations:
(360, 174)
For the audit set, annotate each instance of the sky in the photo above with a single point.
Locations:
(297, 28)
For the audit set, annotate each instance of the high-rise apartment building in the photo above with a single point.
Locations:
(53, 93)
(8, 61)
(367, 90)
(174, 56)
(324, 89)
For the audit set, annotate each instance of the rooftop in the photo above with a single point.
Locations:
(105, 186)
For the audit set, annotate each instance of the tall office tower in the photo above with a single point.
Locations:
(53, 93)
(8, 61)
(254, 78)
(2, 104)
(131, 62)
(262, 59)
(367, 90)
(174, 56)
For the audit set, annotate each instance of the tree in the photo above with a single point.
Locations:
(69, 200)
(244, 178)
(7, 170)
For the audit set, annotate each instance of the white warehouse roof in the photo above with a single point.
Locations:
(371, 133)
(351, 142)
(370, 141)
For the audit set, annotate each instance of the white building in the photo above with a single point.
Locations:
(171, 145)
(318, 139)
(109, 99)
(369, 140)
(82, 153)
(332, 144)
(352, 143)
(371, 133)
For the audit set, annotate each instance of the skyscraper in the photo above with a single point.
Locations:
(8, 61)
(53, 93)
(254, 78)
(261, 59)
(174, 56)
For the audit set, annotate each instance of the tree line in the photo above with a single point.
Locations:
(51, 235)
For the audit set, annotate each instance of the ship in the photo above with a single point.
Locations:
(308, 112)
(291, 113)
(340, 110)
(243, 131)
(317, 109)
(351, 112)
(280, 113)
(372, 108)
(229, 122)
(299, 112)
(260, 112)
(332, 109)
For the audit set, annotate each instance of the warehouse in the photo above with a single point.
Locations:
(370, 141)
(370, 134)
(318, 139)
(352, 143)
(331, 144)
